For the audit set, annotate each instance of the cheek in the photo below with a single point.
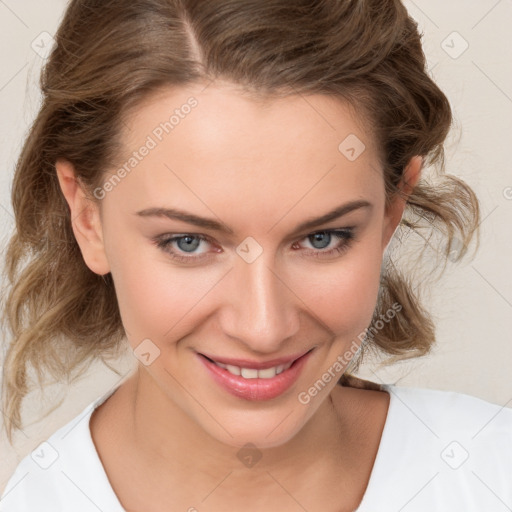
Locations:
(343, 294)
(152, 295)
(152, 301)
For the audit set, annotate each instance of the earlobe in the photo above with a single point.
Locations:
(85, 218)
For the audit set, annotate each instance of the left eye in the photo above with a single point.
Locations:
(320, 240)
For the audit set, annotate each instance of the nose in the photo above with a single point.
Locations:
(261, 311)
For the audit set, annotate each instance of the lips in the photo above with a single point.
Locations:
(255, 380)
(247, 363)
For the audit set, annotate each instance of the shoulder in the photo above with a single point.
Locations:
(452, 410)
(453, 423)
(62, 472)
(442, 447)
(456, 445)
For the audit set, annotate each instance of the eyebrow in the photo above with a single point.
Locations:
(211, 224)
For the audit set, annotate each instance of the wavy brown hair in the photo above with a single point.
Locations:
(111, 54)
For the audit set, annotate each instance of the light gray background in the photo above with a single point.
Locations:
(472, 304)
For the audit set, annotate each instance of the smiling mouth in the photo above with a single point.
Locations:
(255, 380)
(256, 373)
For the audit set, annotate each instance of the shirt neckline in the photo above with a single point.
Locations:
(107, 486)
(388, 388)
(367, 496)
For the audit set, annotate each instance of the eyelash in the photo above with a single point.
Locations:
(346, 234)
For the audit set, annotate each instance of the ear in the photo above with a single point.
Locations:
(395, 210)
(85, 218)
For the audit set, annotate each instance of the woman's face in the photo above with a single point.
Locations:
(246, 285)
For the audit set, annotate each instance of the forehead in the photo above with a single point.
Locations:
(219, 107)
(216, 143)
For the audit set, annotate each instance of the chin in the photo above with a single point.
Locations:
(263, 429)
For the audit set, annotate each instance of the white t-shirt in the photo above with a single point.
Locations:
(439, 451)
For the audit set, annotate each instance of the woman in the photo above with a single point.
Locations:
(218, 184)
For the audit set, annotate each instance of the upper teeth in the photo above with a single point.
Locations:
(252, 373)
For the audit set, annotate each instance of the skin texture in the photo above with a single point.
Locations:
(262, 169)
